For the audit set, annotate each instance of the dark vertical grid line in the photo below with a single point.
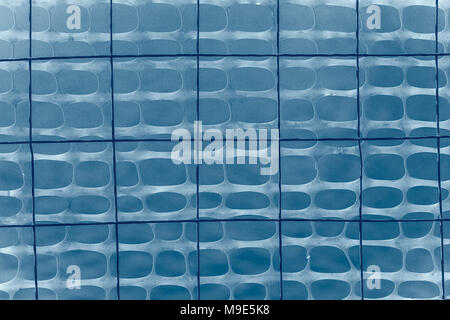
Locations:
(197, 150)
(30, 100)
(357, 70)
(441, 218)
(113, 135)
(358, 109)
(436, 59)
(280, 243)
(360, 221)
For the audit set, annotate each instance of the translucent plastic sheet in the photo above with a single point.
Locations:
(93, 207)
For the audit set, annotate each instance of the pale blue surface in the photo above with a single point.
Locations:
(403, 190)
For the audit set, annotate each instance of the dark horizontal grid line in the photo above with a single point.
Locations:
(224, 140)
(331, 55)
(205, 220)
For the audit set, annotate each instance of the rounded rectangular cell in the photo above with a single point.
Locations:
(320, 180)
(404, 27)
(16, 203)
(443, 35)
(76, 262)
(445, 252)
(320, 260)
(400, 179)
(14, 101)
(398, 97)
(71, 99)
(150, 28)
(155, 261)
(154, 96)
(445, 173)
(318, 98)
(401, 260)
(17, 264)
(14, 29)
(151, 185)
(238, 260)
(238, 28)
(67, 29)
(230, 188)
(444, 97)
(74, 182)
(237, 92)
(317, 27)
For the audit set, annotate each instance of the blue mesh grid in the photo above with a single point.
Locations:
(85, 172)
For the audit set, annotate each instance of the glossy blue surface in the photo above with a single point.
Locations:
(364, 164)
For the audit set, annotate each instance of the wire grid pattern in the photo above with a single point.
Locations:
(357, 55)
